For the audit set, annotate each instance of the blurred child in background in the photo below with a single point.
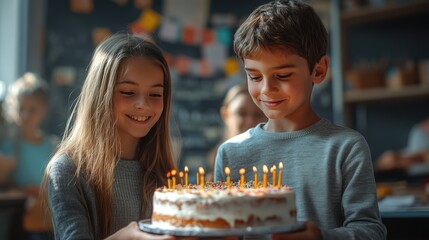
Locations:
(27, 148)
(416, 152)
(239, 113)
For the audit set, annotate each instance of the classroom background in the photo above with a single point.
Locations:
(378, 82)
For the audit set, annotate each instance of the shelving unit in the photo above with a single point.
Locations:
(386, 94)
(389, 11)
(368, 32)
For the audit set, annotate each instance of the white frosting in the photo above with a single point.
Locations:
(228, 205)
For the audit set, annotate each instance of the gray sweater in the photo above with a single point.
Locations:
(328, 166)
(74, 209)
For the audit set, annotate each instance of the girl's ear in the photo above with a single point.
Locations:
(320, 70)
(224, 113)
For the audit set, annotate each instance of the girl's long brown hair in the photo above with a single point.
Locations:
(91, 139)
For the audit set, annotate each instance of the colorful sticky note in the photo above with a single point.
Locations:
(220, 19)
(208, 36)
(99, 34)
(224, 35)
(205, 68)
(169, 30)
(81, 6)
(149, 20)
(191, 35)
(136, 28)
(215, 54)
(181, 64)
(231, 66)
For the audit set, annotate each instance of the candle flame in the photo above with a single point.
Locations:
(186, 169)
(271, 169)
(255, 169)
(227, 171)
(168, 174)
(281, 165)
(274, 167)
(201, 170)
(265, 169)
(242, 171)
(173, 172)
(180, 174)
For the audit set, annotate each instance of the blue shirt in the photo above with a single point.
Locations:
(32, 159)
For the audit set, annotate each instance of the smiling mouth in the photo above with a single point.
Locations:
(272, 103)
(139, 118)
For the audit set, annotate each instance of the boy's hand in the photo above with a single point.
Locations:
(310, 232)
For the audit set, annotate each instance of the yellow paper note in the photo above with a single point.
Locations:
(149, 20)
(231, 66)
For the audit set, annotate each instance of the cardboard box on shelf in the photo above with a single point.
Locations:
(398, 77)
(364, 79)
(424, 72)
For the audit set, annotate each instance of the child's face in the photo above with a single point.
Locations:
(138, 99)
(242, 114)
(280, 84)
(32, 111)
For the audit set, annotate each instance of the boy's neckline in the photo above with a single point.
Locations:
(271, 126)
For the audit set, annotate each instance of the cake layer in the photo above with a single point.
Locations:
(222, 208)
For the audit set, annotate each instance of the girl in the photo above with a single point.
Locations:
(116, 148)
(239, 113)
(28, 147)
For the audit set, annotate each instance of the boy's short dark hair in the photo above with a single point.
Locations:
(290, 25)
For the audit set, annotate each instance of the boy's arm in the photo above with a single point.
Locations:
(359, 202)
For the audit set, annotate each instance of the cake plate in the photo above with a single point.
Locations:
(146, 226)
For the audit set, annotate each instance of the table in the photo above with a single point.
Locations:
(411, 220)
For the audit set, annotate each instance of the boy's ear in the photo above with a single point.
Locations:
(320, 70)
(223, 113)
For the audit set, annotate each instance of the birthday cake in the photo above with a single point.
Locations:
(216, 206)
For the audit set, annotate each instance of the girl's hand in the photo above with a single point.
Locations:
(310, 232)
(132, 232)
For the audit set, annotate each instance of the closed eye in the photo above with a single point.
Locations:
(156, 95)
(284, 76)
(253, 78)
(126, 93)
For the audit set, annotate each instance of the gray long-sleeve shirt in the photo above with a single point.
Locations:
(73, 207)
(328, 166)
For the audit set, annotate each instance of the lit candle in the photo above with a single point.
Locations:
(255, 181)
(168, 181)
(201, 171)
(181, 178)
(274, 174)
(198, 178)
(242, 171)
(173, 176)
(228, 178)
(186, 177)
(280, 175)
(265, 170)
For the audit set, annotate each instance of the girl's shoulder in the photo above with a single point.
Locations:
(60, 164)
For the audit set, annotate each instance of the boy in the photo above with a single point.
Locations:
(283, 46)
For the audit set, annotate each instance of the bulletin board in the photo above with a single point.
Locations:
(196, 37)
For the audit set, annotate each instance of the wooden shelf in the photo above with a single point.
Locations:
(368, 14)
(383, 94)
